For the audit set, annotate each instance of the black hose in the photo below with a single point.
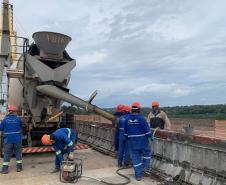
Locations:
(124, 176)
(109, 183)
(118, 172)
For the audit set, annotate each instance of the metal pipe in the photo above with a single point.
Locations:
(58, 93)
(55, 116)
(58, 114)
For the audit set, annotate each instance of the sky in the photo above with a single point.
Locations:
(173, 51)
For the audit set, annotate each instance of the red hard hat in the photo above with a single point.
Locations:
(120, 108)
(12, 108)
(136, 104)
(155, 104)
(46, 140)
(127, 108)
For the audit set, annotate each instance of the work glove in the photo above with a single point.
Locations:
(71, 156)
(150, 139)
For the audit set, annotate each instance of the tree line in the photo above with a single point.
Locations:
(194, 111)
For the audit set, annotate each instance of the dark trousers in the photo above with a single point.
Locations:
(9, 150)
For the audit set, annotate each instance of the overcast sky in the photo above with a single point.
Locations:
(173, 51)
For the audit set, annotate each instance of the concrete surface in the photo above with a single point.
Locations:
(203, 159)
(37, 170)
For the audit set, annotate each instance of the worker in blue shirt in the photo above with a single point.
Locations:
(117, 114)
(11, 127)
(63, 141)
(138, 133)
(123, 151)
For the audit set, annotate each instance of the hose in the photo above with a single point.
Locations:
(109, 183)
(118, 171)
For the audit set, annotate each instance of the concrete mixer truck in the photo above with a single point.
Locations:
(38, 79)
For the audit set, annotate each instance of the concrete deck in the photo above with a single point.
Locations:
(37, 170)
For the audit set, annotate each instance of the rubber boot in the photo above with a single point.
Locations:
(138, 178)
(119, 164)
(125, 165)
(146, 172)
(19, 167)
(5, 169)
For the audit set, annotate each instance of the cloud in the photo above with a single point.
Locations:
(172, 89)
(91, 59)
(170, 50)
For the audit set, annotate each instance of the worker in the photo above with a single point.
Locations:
(117, 114)
(63, 141)
(138, 133)
(123, 151)
(11, 126)
(158, 118)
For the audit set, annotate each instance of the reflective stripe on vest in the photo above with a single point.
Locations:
(140, 135)
(146, 157)
(148, 133)
(137, 165)
(5, 163)
(7, 133)
(69, 135)
(69, 132)
(19, 161)
(58, 152)
(70, 144)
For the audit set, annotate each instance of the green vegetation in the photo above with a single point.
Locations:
(195, 111)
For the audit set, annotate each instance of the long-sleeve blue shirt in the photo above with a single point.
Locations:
(11, 126)
(122, 123)
(64, 140)
(137, 131)
(116, 122)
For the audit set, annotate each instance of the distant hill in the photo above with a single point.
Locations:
(194, 111)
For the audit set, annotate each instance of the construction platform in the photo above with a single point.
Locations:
(37, 168)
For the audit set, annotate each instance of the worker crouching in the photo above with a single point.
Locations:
(138, 133)
(63, 141)
(11, 127)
